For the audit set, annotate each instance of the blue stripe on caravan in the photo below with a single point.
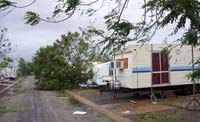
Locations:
(183, 68)
(141, 69)
(174, 68)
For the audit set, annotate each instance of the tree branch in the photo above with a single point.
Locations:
(24, 5)
(88, 4)
(121, 12)
(58, 21)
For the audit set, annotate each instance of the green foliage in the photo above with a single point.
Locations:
(4, 111)
(160, 117)
(5, 48)
(41, 85)
(103, 118)
(122, 28)
(64, 64)
(5, 45)
(165, 51)
(4, 3)
(99, 57)
(5, 62)
(177, 12)
(148, 116)
(71, 4)
(63, 94)
(65, 6)
(32, 18)
(183, 13)
(90, 74)
(88, 91)
(194, 75)
(191, 38)
(24, 66)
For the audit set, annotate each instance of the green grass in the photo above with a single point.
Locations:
(71, 99)
(63, 94)
(159, 117)
(22, 79)
(18, 88)
(178, 101)
(103, 118)
(88, 91)
(4, 110)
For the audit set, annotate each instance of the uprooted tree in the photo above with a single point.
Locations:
(64, 64)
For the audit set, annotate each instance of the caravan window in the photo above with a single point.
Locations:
(122, 63)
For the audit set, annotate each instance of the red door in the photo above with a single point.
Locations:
(160, 66)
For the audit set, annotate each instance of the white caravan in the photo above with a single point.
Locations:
(147, 66)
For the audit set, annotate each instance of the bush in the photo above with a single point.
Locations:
(52, 85)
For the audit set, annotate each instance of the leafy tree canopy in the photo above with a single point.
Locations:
(5, 62)
(64, 64)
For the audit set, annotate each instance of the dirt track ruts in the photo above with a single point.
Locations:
(43, 106)
(36, 110)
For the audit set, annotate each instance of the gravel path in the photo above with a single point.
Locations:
(29, 105)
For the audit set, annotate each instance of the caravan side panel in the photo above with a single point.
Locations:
(125, 75)
(180, 64)
(142, 66)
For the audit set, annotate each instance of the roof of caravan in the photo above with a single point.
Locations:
(141, 45)
(130, 48)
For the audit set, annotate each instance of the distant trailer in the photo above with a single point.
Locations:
(147, 66)
(102, 73)
(9, 73)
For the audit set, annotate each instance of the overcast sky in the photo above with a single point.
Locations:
(27, 39)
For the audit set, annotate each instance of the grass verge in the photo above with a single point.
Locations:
(22, 79)
(4, 110)
(73, 101)
(159, 117)
(88, 91)
(103, 118)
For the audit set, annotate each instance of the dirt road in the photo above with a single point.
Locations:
(29, 105)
